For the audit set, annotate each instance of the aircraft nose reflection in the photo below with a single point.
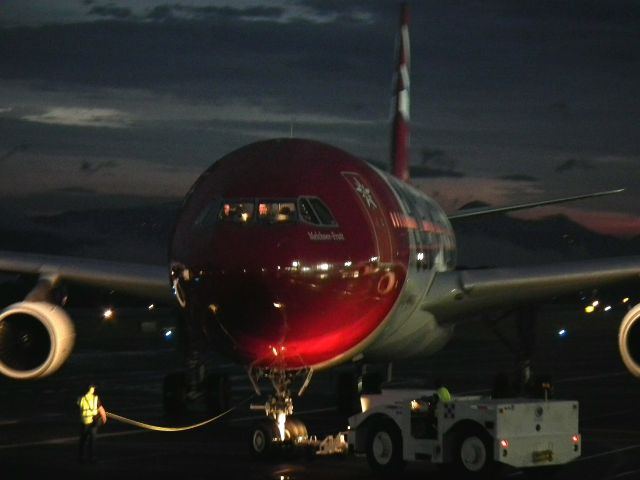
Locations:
(298, 314)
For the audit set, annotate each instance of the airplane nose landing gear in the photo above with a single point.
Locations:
(280, 432)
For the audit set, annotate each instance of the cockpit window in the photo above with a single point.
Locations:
(277, 211)
(313, 210)
(307, 213)
(209, 215)
(236, 211)
(323, 212)
(309, 210)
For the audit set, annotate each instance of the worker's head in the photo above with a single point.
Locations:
(92, 388)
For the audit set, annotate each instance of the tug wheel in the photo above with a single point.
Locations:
(384, 447)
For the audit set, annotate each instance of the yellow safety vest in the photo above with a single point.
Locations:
(88, 408)
(443, 394)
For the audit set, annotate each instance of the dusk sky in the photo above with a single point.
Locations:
(120, 103)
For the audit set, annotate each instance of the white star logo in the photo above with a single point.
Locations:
(366, 194)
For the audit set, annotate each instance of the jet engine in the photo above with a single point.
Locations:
(629, 340)
(36, 339)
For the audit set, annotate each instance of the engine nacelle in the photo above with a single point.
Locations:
(629, 340)
(36, 338)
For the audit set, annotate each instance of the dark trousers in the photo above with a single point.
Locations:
(87, 441)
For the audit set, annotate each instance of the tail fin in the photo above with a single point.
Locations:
(400, 128)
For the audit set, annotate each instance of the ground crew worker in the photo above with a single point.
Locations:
(442, 392)
(441, 395)
(92, 415)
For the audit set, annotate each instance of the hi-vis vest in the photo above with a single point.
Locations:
(443, 394)
(88, 408)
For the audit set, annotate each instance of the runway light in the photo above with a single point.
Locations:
(277, 304)
(151, 307)
(347, 263)
(107, 314)
(595, 303)
(607, 308)
(589, 309)
(168, 333)
(562, 332)
(625, 300)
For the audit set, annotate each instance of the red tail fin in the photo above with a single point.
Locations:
(400, 129)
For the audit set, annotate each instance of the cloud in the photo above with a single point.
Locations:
(18, 148)
(619, 224)
(574, 164)
(186, 12)
(75, 191)
(518, 177)
(82, 117)
(111, 11)
(89, 167)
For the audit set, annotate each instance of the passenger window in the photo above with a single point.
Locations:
(236, 212)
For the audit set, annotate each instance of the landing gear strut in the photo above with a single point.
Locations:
(280, 432)
(525, 382)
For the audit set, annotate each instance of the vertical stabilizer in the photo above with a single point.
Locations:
(400, 125)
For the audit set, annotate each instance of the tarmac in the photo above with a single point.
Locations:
(39, 419)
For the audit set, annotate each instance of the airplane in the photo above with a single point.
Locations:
(291, 256)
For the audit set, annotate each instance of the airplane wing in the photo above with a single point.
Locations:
(459, 294)
(148, 281)
(476, 212)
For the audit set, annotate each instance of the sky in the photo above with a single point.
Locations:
(122, 103)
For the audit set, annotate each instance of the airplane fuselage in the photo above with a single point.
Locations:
(296, 253)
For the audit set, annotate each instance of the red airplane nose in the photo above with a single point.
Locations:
(296, 314)
(294, 254)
